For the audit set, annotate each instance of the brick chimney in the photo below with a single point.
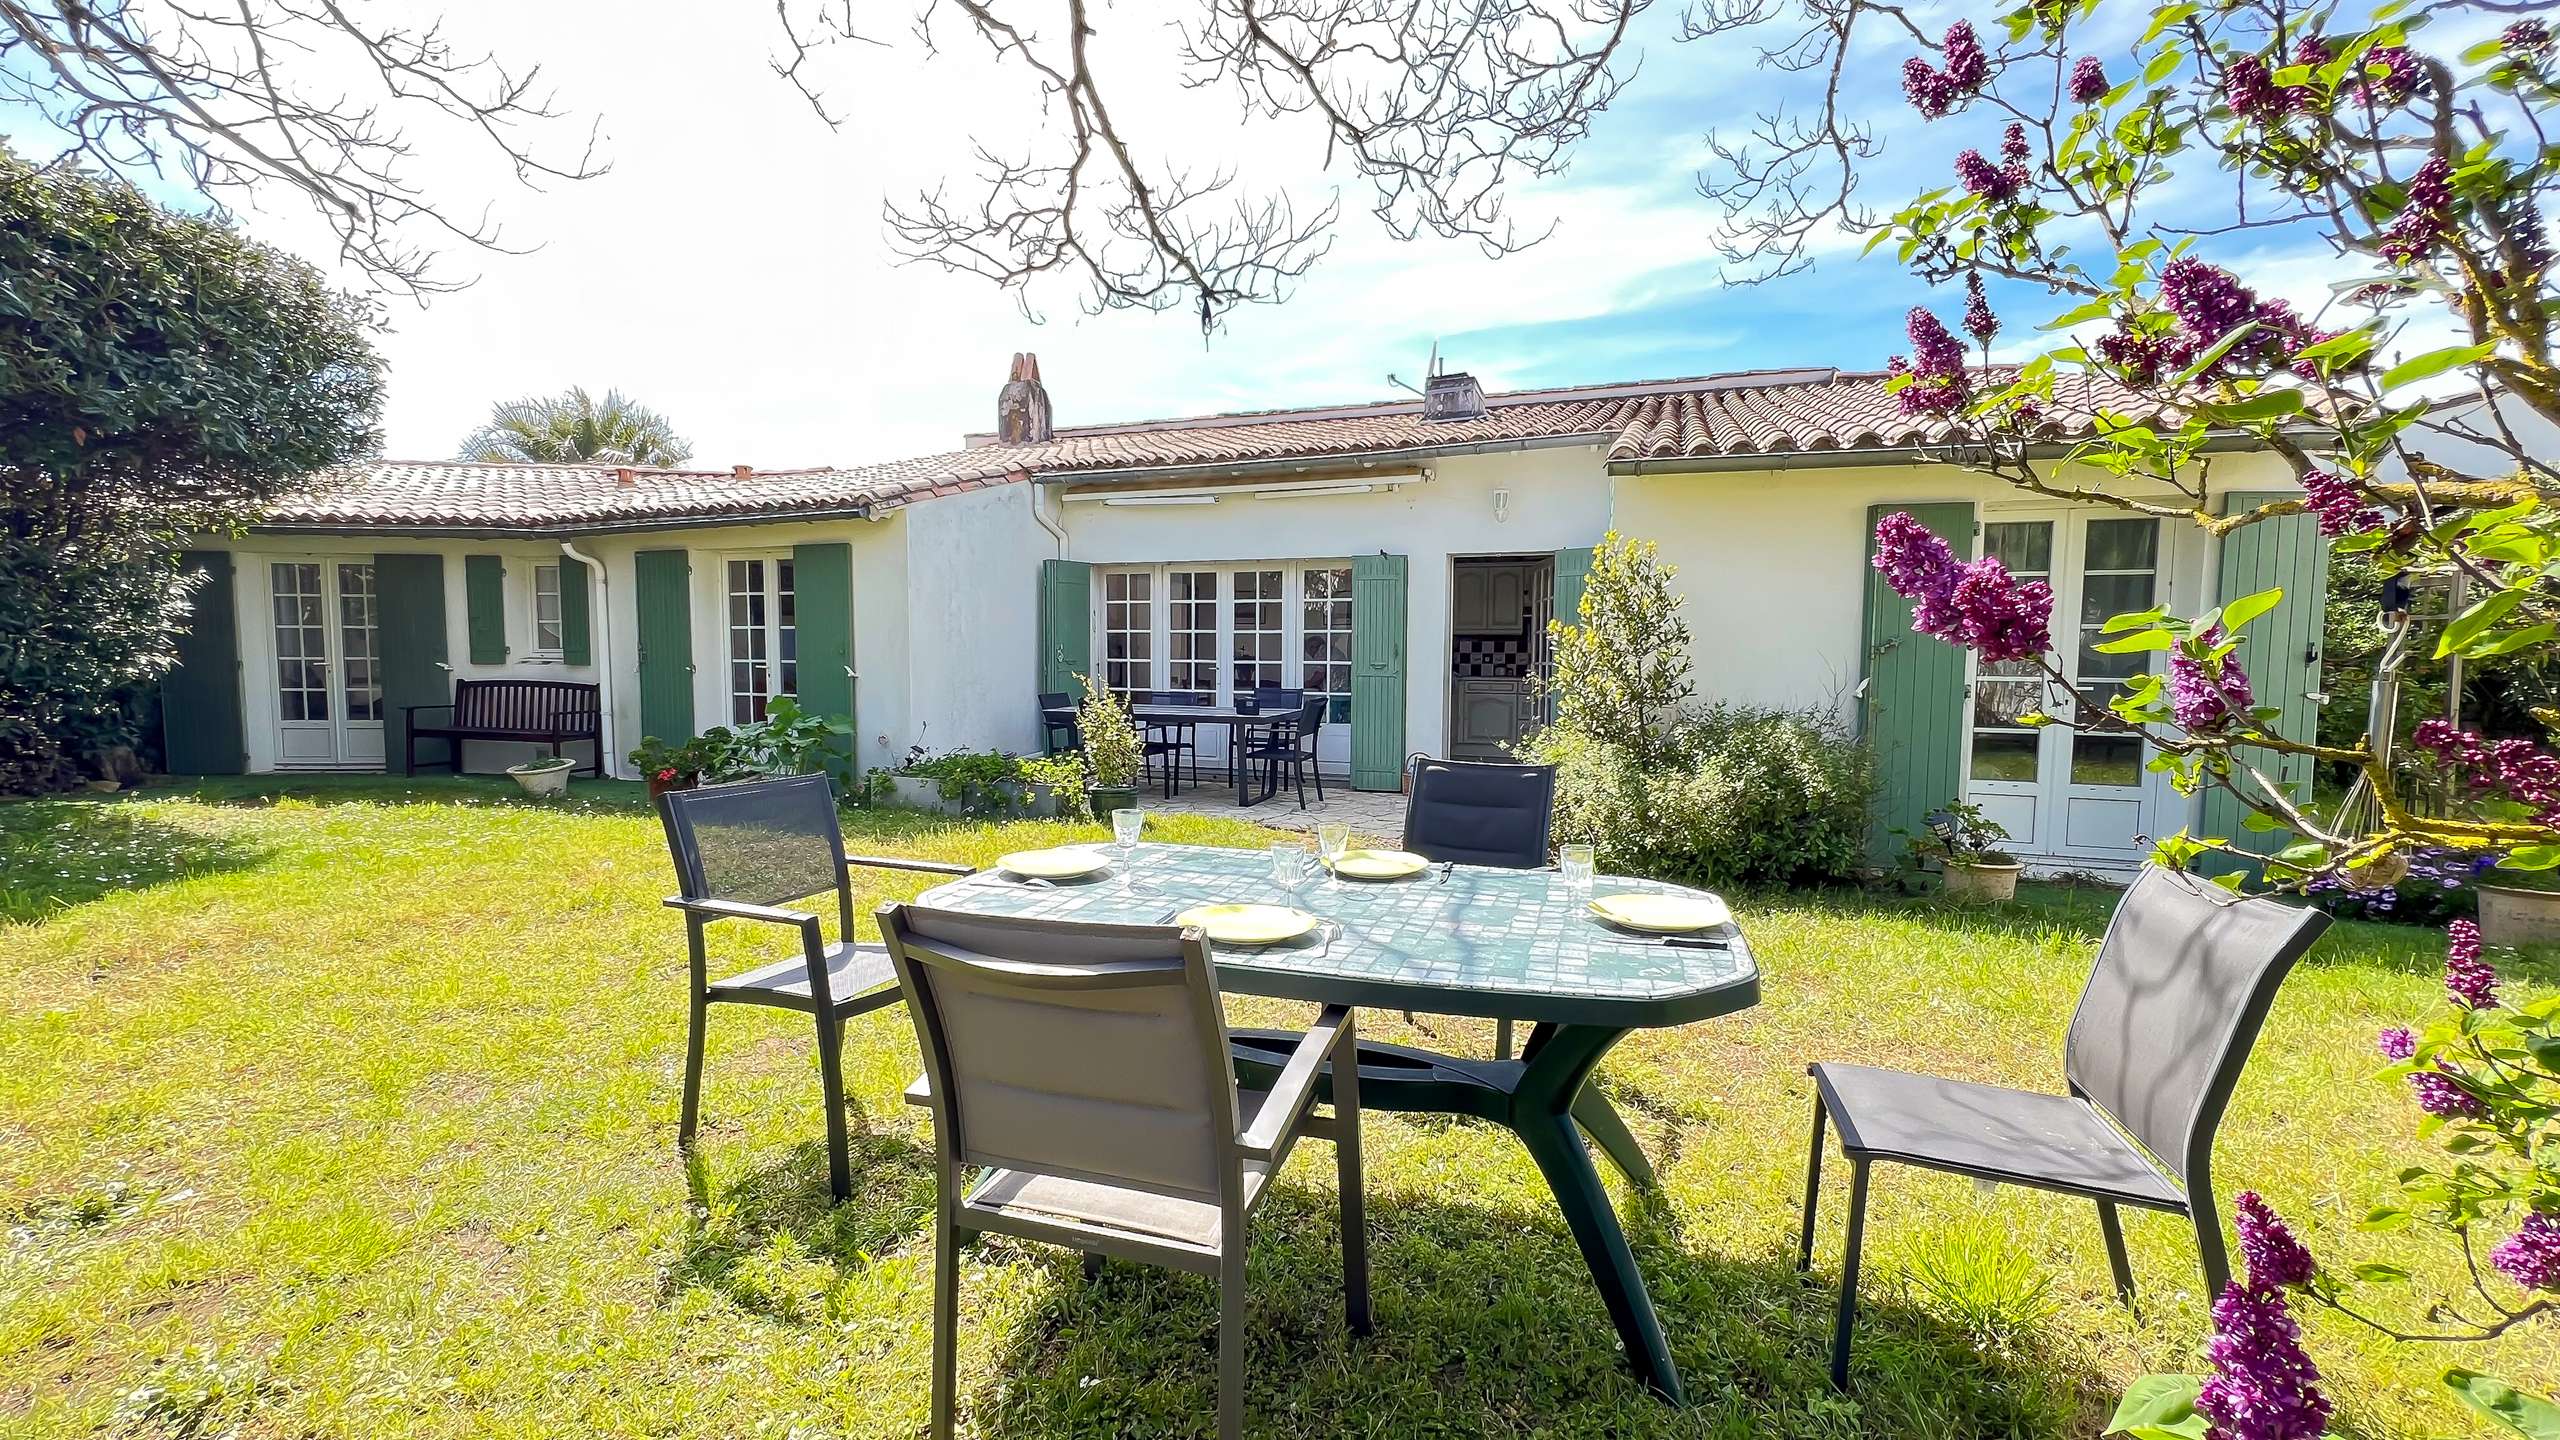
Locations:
(1022, 409)
(742, 472)
(625, 475)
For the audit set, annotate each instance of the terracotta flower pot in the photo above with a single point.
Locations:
(1987, 882)
(660, 784)
(2511, 917)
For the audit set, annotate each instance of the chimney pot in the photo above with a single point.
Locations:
(625, 475)
(1022, 408)
(742, 472)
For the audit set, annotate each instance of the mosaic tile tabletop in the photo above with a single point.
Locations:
(1507, 944)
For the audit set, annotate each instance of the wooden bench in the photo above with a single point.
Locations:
(533, 712)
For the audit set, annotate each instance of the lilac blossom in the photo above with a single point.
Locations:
(2249, 88)
(2427, 210)
(1979, 322)
(1982, 178)
(2470, 980)
(2398, 81)
(2338, 504)
(1979, 605)
(2526, 40)
(2396, 1043)
(2089, 80)
(1934, 92)
(1939, 384)
(2441, 1092)
(2206, 694)
(2531, 1256)
(2517, 770)
(2276, 1260)
(2263, 1385)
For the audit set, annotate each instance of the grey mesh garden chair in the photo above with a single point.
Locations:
(741, 851)
(1082, 1071)
(1481, 813)
(2183, 980)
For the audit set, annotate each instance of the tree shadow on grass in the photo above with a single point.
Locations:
(1488, 1324)
(585, 794)
(58, 854)
(774, 1242)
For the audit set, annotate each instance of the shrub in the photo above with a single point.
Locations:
(1737, 794)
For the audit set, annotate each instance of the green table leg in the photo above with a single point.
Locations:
(1608, 1129)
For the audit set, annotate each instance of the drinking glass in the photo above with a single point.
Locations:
(1125, 825)
(1577, 863)
(1289, 866)
(1333, 840)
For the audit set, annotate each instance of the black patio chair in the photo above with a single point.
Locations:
(2182, 983)
(740, 851)
(1481, 813)
(1290, 747)
(1057, 732)
(1170, 740)
(1082, 1071)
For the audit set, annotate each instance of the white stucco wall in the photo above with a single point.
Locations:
(972, 592)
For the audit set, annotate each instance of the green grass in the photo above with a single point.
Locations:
(348, 1109)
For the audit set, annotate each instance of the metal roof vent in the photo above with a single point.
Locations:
(1454, 396)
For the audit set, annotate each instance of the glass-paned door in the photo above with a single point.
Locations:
(1128, 631)
(762, 614)
(1227, 630)
(326, 635)
(2057, 791)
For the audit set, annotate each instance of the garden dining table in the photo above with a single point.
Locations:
(1239, 723)
(1454, 940)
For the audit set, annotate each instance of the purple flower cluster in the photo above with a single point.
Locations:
(2089, 79)
(2441, 1092)
(2209, 302)
(1979, 322)
(2470, 980)
(2338, 504)
(2207, 694)
(2424, 216)
(2531, 1256)
(2003, 182)
(1940, 385)
(2249, 88)
(2397, 82)
(2276, 1260)
(1934, 91)
(1978, 605)
(2142, 358)
(2526, 40)
(2263, 1385)
(2519, 770)
(2396, 1043)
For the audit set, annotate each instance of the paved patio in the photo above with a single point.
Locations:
(1374, 818)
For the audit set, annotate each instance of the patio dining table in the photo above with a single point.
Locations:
(1454, 940)
(1240, 724)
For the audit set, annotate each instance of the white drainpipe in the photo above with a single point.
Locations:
(600, 630)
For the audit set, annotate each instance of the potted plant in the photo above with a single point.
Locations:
(1112, 750)
(2519, 907)
(668, 767)
(977, 782)
(543, 779)
(1966, 843)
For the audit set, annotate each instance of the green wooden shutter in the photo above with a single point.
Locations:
(822, 581)
(409, 591)
(200, 726)
(1066, 624)
(484, 607)
(2281, 652)
(1912, 695)
(660, 580)
(1377, 672)
(1573, 572)
(576, 646)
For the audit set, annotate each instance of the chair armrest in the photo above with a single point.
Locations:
(920, 1091)
(896, 862)
(1295, 1089)
(739, 910)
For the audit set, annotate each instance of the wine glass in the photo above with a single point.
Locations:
(1333, 839)
(1289, 867)
(1577, 862)
(1125, 825)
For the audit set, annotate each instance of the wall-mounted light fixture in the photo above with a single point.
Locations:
(1501, 506)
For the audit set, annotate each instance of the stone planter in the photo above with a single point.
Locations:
(1987, 883)
(2511, 917)
(1106, 798)
(923, 792)
(543, 779)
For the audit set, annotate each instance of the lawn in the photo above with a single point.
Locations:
(348, 1109)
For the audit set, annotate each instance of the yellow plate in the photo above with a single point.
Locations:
(1065, 862)
(1379, 864)
(1248, 924)
(1662, 914)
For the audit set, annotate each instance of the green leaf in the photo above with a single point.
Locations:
(2510, 641)
(2532, 1416)
(2472, 623)
(2531, 857)
(2138, 640)
(2436, 362)
(2249, 607)
(2380, 1274)
(2159, 1406)
(2265, 405)
(2133, 619)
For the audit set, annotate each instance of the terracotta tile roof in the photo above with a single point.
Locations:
(1726, 417)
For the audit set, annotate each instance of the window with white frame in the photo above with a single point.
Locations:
(546, 609)
(1128, 631)
(1258, 638)
(762, 612)
(1191, 631)
(1324, 636)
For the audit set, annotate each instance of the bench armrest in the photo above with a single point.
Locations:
(896, 862)
(1276, 1128)
(738, 910)
(414, 709)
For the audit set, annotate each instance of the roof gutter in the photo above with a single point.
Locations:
(1299, 463)
(579, 528)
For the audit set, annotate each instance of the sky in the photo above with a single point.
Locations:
(732, 270)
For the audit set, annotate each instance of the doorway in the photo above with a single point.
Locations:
(1499, 654)
(2059, 793)
(328, 676)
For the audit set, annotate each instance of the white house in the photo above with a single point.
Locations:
(1401, 557)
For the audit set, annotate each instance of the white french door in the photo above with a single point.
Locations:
(761, 625)
(327, 634)
(2061, 793)
(1225, 630)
